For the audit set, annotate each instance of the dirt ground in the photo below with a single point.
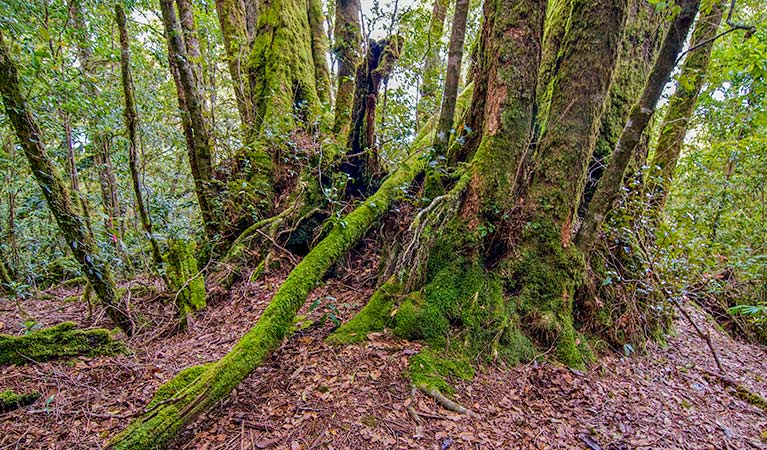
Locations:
(310, 395)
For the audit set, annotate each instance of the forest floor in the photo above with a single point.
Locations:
(311, 395)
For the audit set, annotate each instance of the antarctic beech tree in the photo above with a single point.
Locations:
(681, 106)
(131, 123)
(454, 60)
(348, 42)
(430, 82)
(57, 194)
(196, 126)
(610, 185)
(638, 50)
(495, 250)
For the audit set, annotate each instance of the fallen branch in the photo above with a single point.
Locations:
(705, 336)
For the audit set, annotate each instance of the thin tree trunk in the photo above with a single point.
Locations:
(131, 123)
(199, 143)
(348, 42)
(611, 182)
(56, 192)
(680, 109)
(427, 102)
(316, 19)
(454, 60)
(10, 175)
(232, 16)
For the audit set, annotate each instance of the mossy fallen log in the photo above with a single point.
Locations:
(60, 341)
(162, 423)
(10, 399)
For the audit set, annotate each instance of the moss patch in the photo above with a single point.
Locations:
(61, 341)
(10, 400)
(176, 384)
(431, 368)
(185, 278)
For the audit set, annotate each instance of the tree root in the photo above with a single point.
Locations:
(445, 402)
(60, 341)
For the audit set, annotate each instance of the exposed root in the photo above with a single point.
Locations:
(446, 402)
(414, 415)
(422, 230)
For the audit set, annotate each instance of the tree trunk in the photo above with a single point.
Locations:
(191, 102)
(611, 182)
(131, 123)
(5, 276)
(56, 192)
(348, 42)
(639, 47)
(362, 165)
(74, 176)
(680, 109)
(316, 19)
(427, 101)
(232, 16)
(454, 60)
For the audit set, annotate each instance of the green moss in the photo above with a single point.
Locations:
(750, 397)
(375, 316)
(176, 384)
(10, 400)
(61, 341)
(185, 278)
(433, 369)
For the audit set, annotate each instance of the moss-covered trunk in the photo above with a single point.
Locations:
(185, 72)
(56, 193)
(638, 50)
(232, 16)
(347, 47)
(185, 278)
(681, 106)
(362, 165)
(549, 267)
(611, 183)
(319, 49)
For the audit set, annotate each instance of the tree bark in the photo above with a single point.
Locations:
(131, 123)
(638, 51)
(348, 43)
(611, 182)
(362, 165)
(56, 192)
(550, 267)
(196, 128)
(680, 109)
(316, 19)
(233, 18)
(427, 102)
(454, 60)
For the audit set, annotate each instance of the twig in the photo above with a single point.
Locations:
(705, 336)
(445, 402)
